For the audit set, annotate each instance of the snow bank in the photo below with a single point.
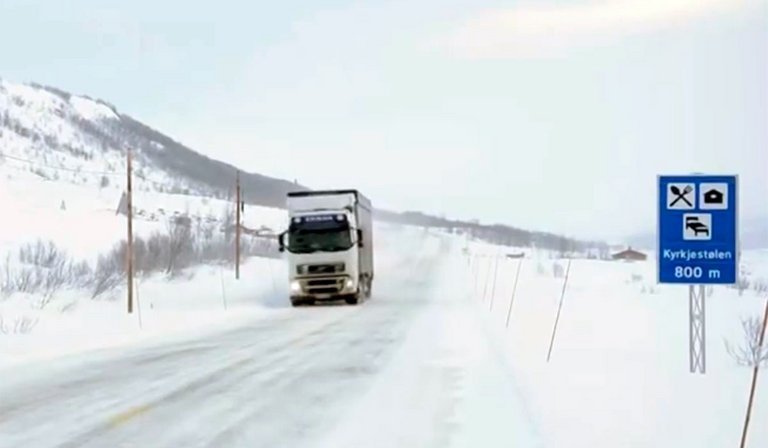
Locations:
(619, 373)
(201, 300)
(206, 299)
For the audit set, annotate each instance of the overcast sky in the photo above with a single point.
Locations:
(554, 115)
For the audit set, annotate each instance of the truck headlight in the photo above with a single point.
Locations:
(350, 283)
(295, 286)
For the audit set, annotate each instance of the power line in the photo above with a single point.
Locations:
(71, 170)
(59, 168)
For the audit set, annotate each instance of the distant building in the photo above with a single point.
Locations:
(629, 255)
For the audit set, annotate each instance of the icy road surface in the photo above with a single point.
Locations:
(412, 367)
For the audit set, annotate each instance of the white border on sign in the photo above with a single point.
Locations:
(734, 195)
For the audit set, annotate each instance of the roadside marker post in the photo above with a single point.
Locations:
(559, 310)
(514, 291)
(487, 278)
(697, 244)
(478, 262)
(493, 286)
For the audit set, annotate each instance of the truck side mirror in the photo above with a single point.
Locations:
(281, 242)
(360, 237)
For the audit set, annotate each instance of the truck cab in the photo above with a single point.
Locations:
(328, 246)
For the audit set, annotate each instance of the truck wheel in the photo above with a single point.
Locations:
(369, 288)
(297, 302)
(352, 300)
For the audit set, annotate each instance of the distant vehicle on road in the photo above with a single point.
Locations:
(329, 245)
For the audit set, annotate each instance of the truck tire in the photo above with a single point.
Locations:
(298, 302)
(352, 300)
(369, 288)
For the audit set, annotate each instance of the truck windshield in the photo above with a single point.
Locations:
(302, 241)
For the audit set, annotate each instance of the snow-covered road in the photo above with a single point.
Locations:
(410, 368)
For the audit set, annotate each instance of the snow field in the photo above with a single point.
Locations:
(89, 225)
(201, 300)
(619, 374)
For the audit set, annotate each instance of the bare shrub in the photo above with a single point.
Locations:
(648, 289)
(110, 271)
(44, 254)
(19, 325)
(80, 273)
(156, 252)
(260, 247)
(760, 286)
(43, 269)
(228, 224)
(6, 276)
(750, 352)
(180, 244)
(742, 284)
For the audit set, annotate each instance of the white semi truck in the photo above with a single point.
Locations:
(329, 246)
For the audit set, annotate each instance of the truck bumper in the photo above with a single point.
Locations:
(297, 299)
(323, 288)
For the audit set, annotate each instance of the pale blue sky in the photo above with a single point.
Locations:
(518, 112)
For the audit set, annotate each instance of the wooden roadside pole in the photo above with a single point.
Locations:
(129, 246)
(237, 227)
(754, 379)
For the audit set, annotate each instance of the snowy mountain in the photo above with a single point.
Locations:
(55, 135)
(44, 130)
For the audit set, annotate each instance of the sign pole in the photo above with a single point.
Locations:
(697, 328)
(698, 244)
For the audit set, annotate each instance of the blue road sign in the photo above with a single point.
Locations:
(697, 229)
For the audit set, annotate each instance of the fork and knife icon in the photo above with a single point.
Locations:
(680, 195)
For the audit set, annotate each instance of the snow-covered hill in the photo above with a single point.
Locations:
(55, 135)
(59, 136)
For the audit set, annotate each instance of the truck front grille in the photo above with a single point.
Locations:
(315, 269)
(322, 282)
(324, 285)
(325, 290)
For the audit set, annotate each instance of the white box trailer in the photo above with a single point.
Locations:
(329, 246)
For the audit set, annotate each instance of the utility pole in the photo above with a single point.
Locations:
(237, 228)
(129, 246)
